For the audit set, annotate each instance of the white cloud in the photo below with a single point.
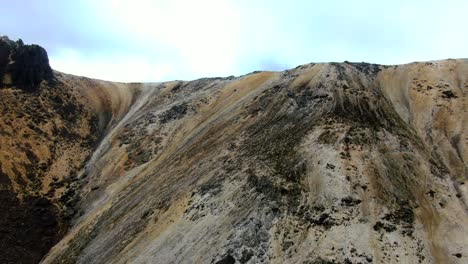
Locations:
(156, 40)
(205, 34)
(121, 69)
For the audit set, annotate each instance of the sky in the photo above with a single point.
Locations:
(162, 40)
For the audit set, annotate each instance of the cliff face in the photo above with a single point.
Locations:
(324, 163)
(23, 66)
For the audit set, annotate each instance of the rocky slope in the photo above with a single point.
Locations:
(50, 124)
(324, 163)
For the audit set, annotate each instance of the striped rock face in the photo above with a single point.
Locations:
(324, 163)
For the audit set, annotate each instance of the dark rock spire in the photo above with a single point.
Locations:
(23, 66)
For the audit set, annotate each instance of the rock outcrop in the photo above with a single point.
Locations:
(23, 66)
(324, 163)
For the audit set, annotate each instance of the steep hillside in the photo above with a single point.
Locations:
(50, 124)
(324, 163)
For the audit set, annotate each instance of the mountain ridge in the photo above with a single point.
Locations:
(323, 163)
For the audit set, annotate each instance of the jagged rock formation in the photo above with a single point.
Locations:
(23, 66)
(324, 163)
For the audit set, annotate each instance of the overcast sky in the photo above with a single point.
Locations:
(158, 40)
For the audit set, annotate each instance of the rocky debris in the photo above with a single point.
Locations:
(228, 259)
(175, 112)
(23, 66)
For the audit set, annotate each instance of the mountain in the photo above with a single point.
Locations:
(323, 163)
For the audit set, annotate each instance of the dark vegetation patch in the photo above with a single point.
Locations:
(350, 201)
(384, 226)
(28, 228)
(212, 186)
(320, 261)
(177, 87)
(400, 172)
(201, 83)
(261, 102)
(316, 216)
(360, 135)
(402, 217)
(324, 220)
(274, 190)
(366, 68)
(138, 155)
(449, 95)
(366, 108)
(4, 180)
(175, 112)
(359, 109)
(228, 259)
(328, 136)
(140, 146)
(304, 96)
(275, 137)
(246, 255)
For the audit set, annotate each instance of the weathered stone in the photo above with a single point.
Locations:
(23, 66)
